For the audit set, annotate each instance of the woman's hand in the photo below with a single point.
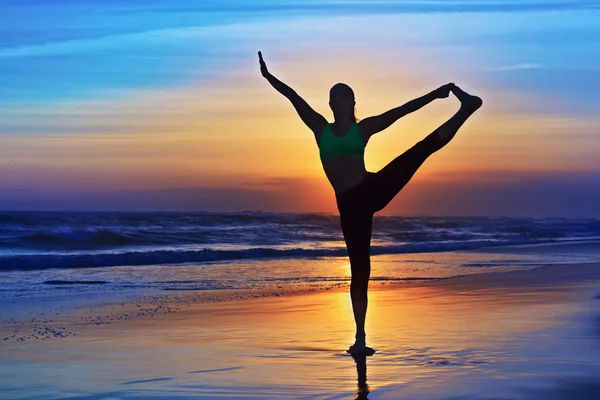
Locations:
(263, 66)
(443, 91)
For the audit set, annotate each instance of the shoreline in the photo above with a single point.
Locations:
(155, 304)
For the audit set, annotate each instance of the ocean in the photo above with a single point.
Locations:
(49, 253)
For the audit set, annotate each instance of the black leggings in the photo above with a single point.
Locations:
(358, 204)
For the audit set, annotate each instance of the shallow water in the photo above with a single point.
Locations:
(473, 337)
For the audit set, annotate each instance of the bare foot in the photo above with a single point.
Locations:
(360, 349)
(467, 100)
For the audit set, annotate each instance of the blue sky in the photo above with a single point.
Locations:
(69, 49)
(82, 76)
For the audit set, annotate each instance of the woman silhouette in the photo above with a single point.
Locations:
(360, 193)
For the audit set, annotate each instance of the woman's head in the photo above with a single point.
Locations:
(341, 101)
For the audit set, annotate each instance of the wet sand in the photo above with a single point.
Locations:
(525, 334)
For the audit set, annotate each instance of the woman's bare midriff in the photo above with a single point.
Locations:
(344, 172)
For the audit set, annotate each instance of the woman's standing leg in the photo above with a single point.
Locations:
(394, 176)
(357, 228)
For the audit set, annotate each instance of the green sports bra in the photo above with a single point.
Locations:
(351, 144)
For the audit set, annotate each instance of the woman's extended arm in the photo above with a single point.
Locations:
(375, 124)
(315, 121)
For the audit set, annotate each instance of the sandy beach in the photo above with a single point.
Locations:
(523, 334)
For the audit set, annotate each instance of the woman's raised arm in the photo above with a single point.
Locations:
(375, 124)
(315, 121)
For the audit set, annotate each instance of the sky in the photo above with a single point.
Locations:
(160, 106)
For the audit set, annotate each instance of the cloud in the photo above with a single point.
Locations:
(517, 194)
(518, 66)
(277, 194)
(14, 189)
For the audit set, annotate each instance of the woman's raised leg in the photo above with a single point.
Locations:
(394, 176)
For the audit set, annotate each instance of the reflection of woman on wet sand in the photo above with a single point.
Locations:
(360, 193)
